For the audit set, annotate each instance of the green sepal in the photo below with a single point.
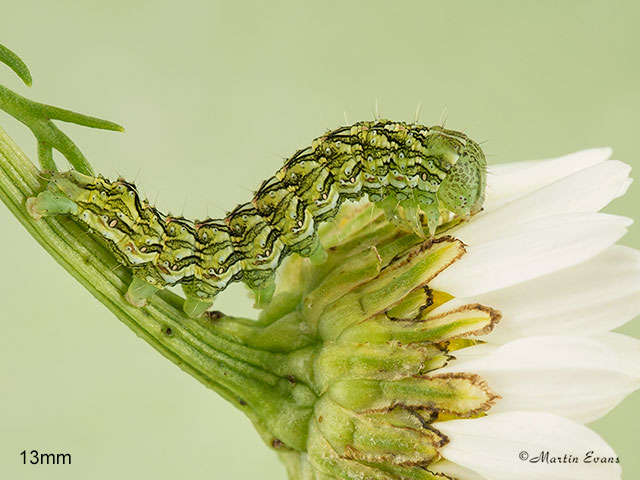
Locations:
(461, 394)
(473, 319)
(375, 438)
(411, 270)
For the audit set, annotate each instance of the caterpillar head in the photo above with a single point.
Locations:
(462, 190)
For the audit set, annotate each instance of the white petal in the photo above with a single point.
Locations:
(576, 377)
(455, 471)
(627, 347)
(509, 181)
(593, 297)
(588, 190)
(493, 446)
(540, 247)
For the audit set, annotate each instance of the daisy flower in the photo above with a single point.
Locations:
(487, 355)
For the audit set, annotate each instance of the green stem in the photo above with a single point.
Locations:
(38, 116)
(252, 379)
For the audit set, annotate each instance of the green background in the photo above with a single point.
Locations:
(213, 95)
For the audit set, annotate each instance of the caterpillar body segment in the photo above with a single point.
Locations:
(421, 177)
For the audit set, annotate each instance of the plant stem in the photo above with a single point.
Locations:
(38, 116)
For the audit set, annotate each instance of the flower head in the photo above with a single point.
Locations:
(481, 353)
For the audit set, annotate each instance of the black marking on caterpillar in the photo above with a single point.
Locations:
(438, 172)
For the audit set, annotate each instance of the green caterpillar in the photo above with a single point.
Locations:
(428, 174)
